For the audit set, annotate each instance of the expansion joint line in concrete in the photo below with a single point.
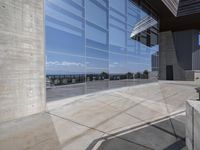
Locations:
(164, 98)
(148, 148)
(114, 135)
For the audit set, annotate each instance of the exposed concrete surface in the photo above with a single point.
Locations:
(178, 49)
(22, 90)
(167, 54)
(193, 125)
(140, 117)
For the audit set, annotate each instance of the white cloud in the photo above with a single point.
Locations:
(64, 63)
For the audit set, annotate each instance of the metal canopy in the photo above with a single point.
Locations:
(180, 15)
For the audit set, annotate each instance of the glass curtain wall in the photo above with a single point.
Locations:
(89, 46)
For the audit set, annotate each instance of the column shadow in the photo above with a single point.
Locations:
(167, 134)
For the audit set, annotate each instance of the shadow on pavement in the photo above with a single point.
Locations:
(167, 134)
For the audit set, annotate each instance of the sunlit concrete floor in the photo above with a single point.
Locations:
(149, 116)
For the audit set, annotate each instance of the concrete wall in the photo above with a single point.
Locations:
(183, 41)
(187, 49)
(22, 90)
(168, 56)
(181, 50)
(193, 125)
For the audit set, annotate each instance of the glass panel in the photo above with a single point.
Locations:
(64, 30)
(63, 72)
(96, 77)
(96, 63)
(132, 20)
(63, 7)
(116, 15)
(117, 23)
(59, 41)
(129, 29)
(117, 70)
(117, 39)
(96, 37)
(104, 3)
(199, 39)
(59, 64)
(79, 2)
(96, 14)
(119, 6)
(95, 34)
(154, 39)
(96, 53)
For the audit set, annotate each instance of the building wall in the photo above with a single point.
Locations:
(180, 49)
(184, 46)
(22, 88)
(196, 51)
(168, 56)
(187, 49)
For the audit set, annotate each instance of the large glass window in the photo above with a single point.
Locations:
(93, 45)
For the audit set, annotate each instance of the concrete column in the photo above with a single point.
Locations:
(193, 125)
(22, 84)
(167, 54)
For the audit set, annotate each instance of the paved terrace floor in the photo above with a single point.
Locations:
(143, 117)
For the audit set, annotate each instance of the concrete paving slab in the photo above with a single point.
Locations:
(144, 113)
(119, 119)
(154, 136)
(123, 104)
(118, 122)
(89, 114)
(35, 132)
(73, 136)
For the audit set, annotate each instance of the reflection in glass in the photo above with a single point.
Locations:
(119, 6)
(96, 80)
(117, 37)
(99, 17)
(199, 39)
(96, 53)
(93, 45)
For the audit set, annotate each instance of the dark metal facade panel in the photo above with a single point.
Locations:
(188, 16)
